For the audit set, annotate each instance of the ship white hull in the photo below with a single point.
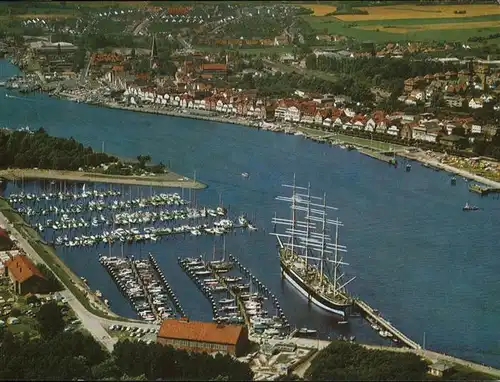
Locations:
(310, 297)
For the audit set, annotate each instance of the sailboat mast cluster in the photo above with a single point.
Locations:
(309, 259)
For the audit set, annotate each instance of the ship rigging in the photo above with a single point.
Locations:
(309, 259)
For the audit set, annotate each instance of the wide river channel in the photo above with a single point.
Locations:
(425, 264)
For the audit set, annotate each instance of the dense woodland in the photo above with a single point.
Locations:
(352, 362)
(59, 355)
(386, 73)
(24, 149)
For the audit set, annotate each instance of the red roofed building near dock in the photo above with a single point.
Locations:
(25, 276)
(209, 337)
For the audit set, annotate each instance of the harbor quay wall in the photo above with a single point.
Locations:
(451, 169)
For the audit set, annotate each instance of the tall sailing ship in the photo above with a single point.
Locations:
(309, 259)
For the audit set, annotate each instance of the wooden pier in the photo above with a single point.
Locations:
(368, 311)
(231, 291)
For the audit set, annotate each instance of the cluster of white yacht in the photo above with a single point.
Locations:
(128, 218)
(100, 205)
(132, 235)
(22, 196)
(140, 283)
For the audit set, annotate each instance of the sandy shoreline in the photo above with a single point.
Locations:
(168, 180)
(420, 157)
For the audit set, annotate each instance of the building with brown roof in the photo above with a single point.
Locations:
(25, 276)
(206, 337)
(215, 69)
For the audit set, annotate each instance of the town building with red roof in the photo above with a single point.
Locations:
(25, 276)
(206, 337)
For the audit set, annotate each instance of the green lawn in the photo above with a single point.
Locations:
(332, 25)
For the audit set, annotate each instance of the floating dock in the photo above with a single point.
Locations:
(166, 285)
(375, 317)
(262, 288)
(483, 190)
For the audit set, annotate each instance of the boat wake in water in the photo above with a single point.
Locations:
(20, 98)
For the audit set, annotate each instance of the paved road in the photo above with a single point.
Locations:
(94, 324)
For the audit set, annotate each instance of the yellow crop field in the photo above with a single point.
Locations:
(397, 12)
(426, 27)
(320, 9)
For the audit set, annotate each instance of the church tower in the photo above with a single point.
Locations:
(153, 61)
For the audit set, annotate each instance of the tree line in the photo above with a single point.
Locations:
(26, 149)
(352, 362)
(60, 355)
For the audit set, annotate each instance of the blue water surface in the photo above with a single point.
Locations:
(417, 257)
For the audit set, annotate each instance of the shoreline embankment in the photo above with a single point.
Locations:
(170, 179)
(369, 151)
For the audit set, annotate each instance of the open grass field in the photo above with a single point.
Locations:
(433, 26)
(417, 29)
(319, 9)
(395, 12)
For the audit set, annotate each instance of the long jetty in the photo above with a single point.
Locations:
(173, 297)
(236, 296)
(146, 292)
(262, 288)
(386, 325)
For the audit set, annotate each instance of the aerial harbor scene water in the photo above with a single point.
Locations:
(409, 248)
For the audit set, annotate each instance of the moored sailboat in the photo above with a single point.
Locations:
(308, 258)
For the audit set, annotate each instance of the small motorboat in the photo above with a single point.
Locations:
(245, 174)
(453, 181)
(408, 167)
(469, 207)
(307, 332)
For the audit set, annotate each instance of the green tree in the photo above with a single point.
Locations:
(50, 320)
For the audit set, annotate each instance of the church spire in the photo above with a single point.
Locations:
(154, 54)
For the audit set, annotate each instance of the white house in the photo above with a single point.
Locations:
(476, 103)
(347, 125)
(476, 129)
(327, 122)
(292, 114)
(393, 130)
(280, 112)
(318, 119)
(358, 125)
(370, 125)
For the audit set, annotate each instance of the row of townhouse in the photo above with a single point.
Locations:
(304, 112)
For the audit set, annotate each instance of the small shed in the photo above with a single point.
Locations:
(439, 369)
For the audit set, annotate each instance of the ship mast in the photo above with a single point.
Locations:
(308, 225)
(336, 259)
(323, 242)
